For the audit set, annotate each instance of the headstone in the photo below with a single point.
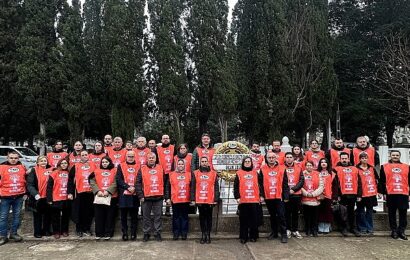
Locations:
(285, 145)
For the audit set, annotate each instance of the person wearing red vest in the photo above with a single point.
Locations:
(152, 145)
(107, 143)
(182, 154)
(292, 207)
(314, 154)
(117, 153)
(141, 151)
(313, 187)
(128, 201)
(257, 157)
(205, 194)
(151, 180)
(394, 184)
(363, 146)
(178, 193)
(204, 149)
(79, 189)
(297, 153)
(165, 157)
(129, 145)
(325, 217)
(57, 154)
(347, 189)
(12, 190)
(364, 210)
(247, 193)
(333, 154)
(75, 157)
(57, 198)
(103, 184)
(97, 154)
(37, 187)
(275, 192)
(276, 149)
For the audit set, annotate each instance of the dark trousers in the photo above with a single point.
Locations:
(60, 218)
(133, 213)
(310, 214)
(85, 211)
(351, 218)
(292, 208)
(276, 208)
(42, 218)
(248, 221)
(105, 219)
(205, 217)
(392, 211)
(180, 221)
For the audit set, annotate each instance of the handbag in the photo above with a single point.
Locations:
(102, 200)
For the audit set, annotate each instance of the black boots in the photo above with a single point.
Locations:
(203, 238)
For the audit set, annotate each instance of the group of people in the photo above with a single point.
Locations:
(84, 186)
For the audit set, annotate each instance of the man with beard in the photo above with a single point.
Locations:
(204, 149)
(363, 146)
(141, 151)
(347, 189)
(279, 154)
(257, 157)
(107, 143)
(394, 183)
(117, 153)
(333, 155)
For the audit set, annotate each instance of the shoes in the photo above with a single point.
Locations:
(65, 234)
(394, 235)
(356, 233)
(314, 233)
(344, 232)
(253, 240)
(243, 241)
(308, 233)
(80, 234)
(208, 238)
(203, 238)
(176, 237)
(284, 239)
(184, 237)
(134, 236)
(107, 238)
(145, 238)
(88, 233)
(3, 240)
(297, 235)
(15, 237)
(124, 237)
(272, 236)
(98, 238)
(57, 235)
(38, 236)
(402, 236)
(370, 233)
(47, 234)
(288, 233)
(158, 237)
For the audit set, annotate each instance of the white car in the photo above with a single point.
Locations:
(27, 156)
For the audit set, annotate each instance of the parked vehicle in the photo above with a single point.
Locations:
(27, 156)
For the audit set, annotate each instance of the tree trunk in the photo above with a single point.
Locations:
(122, 122)
(389, 134)
(75, 128)
(223, 126)
(180, 137)
(42, 138)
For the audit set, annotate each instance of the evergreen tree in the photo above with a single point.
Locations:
(35, 45)
(168, 61)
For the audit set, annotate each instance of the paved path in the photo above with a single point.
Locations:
(226, 248)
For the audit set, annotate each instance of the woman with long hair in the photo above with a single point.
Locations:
(325, 217)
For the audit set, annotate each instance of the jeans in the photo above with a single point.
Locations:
(364, 218)
(15, 204)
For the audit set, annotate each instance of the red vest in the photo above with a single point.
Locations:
(104, 178)
(257, 160)
(12, 180)
(141, 156)
(180, 186)
(73, 159)
(328, 180)
(60, 185)
(368, 179)
(314, 157)
(117, 157)
(96, 159)
(165, 157)
(335, 156)
(108, 149)
(293, 173)
(42, 179)
(370, 155)
(248, 186)
(311, 184)
(348, 179)
(187, 161)
(129, 171)
(281, 157)
(397, 178)
(54, 158)
(208, 152)
(272, 181)
(82, 171)
(204, 188)
(153, 180)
